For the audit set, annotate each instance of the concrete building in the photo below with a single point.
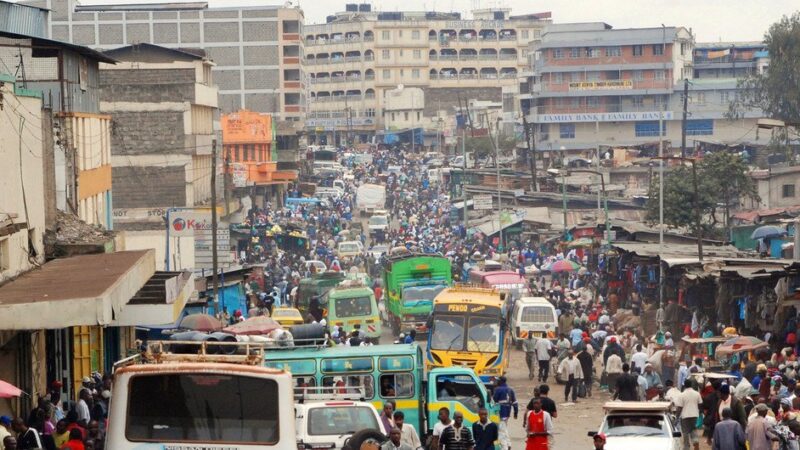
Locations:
(777, 187)
(359, 55)
(593, 86)
(258, 50)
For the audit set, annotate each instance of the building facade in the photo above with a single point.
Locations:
(358, 55)
(258, 50)
(595, 86)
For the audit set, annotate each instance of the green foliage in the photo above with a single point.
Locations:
(722, 181)
(777, 91)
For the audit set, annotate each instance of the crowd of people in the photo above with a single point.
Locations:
(57, 423)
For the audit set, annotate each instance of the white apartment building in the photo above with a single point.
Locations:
(359, 55)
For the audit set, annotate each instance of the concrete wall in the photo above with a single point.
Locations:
(21, 181)
(156, 131)
(137, 85)
(181, 248)
(447, 98)
(150, 186)
(771, 189)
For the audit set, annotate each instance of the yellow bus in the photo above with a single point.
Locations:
(468, 329)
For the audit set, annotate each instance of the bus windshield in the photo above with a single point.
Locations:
(416, 294)
(353, 306)
(483, 333)
(203, 408)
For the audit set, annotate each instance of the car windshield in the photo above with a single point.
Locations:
(203, 408)
(484, 334)
(340, 420)
(353, 306)
(639, 425)
(348, 248)
(414, 294)
(378, 220)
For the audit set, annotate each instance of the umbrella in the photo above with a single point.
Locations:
(767, 231)
(741, 344)
(8, 390)
(200, 322)
(563, 265)
(581, 243)
(254, 325)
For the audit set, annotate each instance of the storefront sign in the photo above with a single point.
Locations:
(603, 117)
(600, 85)
(239, 174)
(482, 202)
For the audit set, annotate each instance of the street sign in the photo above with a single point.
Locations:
(482, 202)
(519, 192)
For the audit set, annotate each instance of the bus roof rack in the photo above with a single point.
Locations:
(329, 393)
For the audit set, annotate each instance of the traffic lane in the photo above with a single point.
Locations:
(574, 420)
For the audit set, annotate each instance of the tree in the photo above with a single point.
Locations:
(776, 91)
(722, 180)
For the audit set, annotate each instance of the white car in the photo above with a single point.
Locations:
(329, 424)
(377, 250)
(639, 425)
(318, 265)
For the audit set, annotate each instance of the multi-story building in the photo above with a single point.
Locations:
(595, 86)
(359, 54)
(258, 50)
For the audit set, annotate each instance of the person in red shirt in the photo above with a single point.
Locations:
(75, 441)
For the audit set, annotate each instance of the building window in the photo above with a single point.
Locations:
(725, 96)
(417, 54)
(658, 49)
(392, 116)
(638, 101)
(5, 257)
(637, 50)
(592, 52)
(788, 191)
(418, 116)
(369, 112)
(702, 127)
(557, 77)
(659, 74)
(415, 35)
(592, 102)
(558, 53)
(575, 76)
(386, 35)
(405, 116)
(683, 48)
(638, 75)
(387, 74)
(567, 130)
(700, 98)
(415, 74)
(385, 54)
(592, 76)
(613, 51)
(401, 52)
(399, 33)
(402, 73)
(525, 34)
(575, 102)
(649, 129)
(575, 52)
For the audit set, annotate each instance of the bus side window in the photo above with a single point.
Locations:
(397, 385)
(365, 382)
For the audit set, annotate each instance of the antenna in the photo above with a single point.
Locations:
(21, 68)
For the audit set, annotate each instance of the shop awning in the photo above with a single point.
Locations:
(681, 253)
(160, 301)
(82, 290)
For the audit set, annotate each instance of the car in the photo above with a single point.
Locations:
(287, 317)
(377, 250)
(318, 265)
(639, 425)
(330, 424)
(349, 249)
(378, 222)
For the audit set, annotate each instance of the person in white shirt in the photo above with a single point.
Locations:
(542, 349)
(639, 359)
(82, 407)
(689, 402)
(444, 422)
(613, 371)
(571, 371)
(408, 435)
(672, 392)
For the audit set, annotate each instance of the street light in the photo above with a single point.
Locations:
(698, 228)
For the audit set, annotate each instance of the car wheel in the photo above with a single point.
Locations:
(365, 439)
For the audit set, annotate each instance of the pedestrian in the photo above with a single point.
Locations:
(587, 365)
(626, 388)
(484, 431)
(529, 347)
(387, 417)
(443, 423)
(613, 369)
(10, 443)
(758, 430)
(5, 426)
(75, 441)
(83, 408)
(457, 436)
(61, 435)
(394, 442)
(507, 399)
(639, 358)
(543, 348)
(599, 441)
(571, 371)
(539, 428)
(689, 402)
(27, 438)
(408, 435)
(728, 434)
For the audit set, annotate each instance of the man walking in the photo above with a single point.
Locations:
(539, 427)
(571, 371)
(408, 435)
(443, 423)
(27, 438)
(758, 437)
(529, 347)
(587, 365)
(507, 399)
(728, 433)
(543, 347)
(394, 442)
(689, 402)
(627, 386)
(457, 436)
(484, 432)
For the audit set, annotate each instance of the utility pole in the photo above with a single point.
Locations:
(214, 280)
(683, 120)
(227, 180)
(497, 175)
(531, 134)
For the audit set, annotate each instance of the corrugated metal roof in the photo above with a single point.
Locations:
(676, 253)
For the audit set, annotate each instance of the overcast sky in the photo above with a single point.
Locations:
(710, 20)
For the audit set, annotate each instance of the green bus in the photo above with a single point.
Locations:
(412, 281)
(388, 373)
(317, 286)
(353, 303)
